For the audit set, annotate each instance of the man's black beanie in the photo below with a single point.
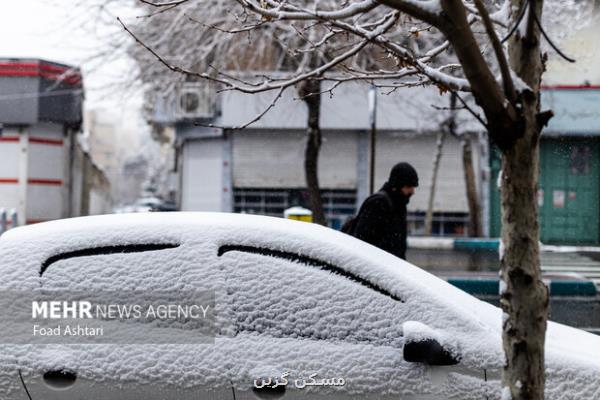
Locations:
(403, 174)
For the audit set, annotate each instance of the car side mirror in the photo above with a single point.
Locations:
(422, 345)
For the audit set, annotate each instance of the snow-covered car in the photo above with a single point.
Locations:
(302, 311)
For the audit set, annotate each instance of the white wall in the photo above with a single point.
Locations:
(584, 46)
(44, 167)
(406, 109)
(202, 175)
(46, 162)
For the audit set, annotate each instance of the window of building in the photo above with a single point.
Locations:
(338, 204)
(444, 223)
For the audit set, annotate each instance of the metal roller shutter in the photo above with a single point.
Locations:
(275, 159)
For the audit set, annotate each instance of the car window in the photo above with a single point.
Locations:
(165, 274)
(118, 268)
(276, 293)
(115, 249)
(310, 261)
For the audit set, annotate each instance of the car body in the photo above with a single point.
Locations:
(293, 300)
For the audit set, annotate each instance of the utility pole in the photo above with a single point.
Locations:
(372, 136)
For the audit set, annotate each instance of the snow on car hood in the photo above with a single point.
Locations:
(460, 319)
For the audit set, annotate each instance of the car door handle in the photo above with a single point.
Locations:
(269, 392)
(60, 379)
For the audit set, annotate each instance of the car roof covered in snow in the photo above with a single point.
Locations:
(31, 246)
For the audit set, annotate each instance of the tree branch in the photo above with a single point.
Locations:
(435, 75)
(517, 22)
(509, 86)
(262, 86)
(173, 68)
(169, 4)
(426, 10)
(555, 47)
(277, 13)
(500, 114)
(253, 120)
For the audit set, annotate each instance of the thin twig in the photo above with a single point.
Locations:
(539, 24)
(173, 68)
(160, 11)
(253, 120)
(517, 23)
(172, 3)
(439, 108)
(470, 110)
(261, 86)
(509, 86)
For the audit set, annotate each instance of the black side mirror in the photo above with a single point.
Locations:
(422, 345)
(428, 351)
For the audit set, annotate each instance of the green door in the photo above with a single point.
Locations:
(495, 201)
(569, 195)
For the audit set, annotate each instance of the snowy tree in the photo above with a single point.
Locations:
(499, 61)
(216, 36)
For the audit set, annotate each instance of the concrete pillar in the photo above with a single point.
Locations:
(23, 175)
(227, 195)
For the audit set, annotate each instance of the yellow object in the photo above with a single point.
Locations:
(298, 214)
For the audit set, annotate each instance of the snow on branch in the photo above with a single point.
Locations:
(167, 4)
(509, 87)
(279, 10)
(425, 10)
(382, 42)
(267, 84)
(434, 74)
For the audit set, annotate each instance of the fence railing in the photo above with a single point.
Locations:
(8, 219)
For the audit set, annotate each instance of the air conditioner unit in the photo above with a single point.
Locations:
(195, 100)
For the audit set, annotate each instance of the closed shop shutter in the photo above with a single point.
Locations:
(202, 179)
(275, 159)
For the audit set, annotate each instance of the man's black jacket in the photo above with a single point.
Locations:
(382, 221)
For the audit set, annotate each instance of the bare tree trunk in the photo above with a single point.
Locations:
(310, 91)
(436, 166)
(472, 199)
(474, 227)
(525, 297)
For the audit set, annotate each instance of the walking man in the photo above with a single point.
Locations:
(381, 220)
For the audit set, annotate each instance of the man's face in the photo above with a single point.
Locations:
(408, 190)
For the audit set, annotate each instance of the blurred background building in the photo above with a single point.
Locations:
(259, 169)
(45, 171)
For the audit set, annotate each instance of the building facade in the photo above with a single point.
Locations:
(259, 169)
(44, 173)
(569, 183)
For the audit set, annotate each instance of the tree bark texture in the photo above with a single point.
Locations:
(309, 91)
(525, 297)
(436, 167)
(471, 187)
